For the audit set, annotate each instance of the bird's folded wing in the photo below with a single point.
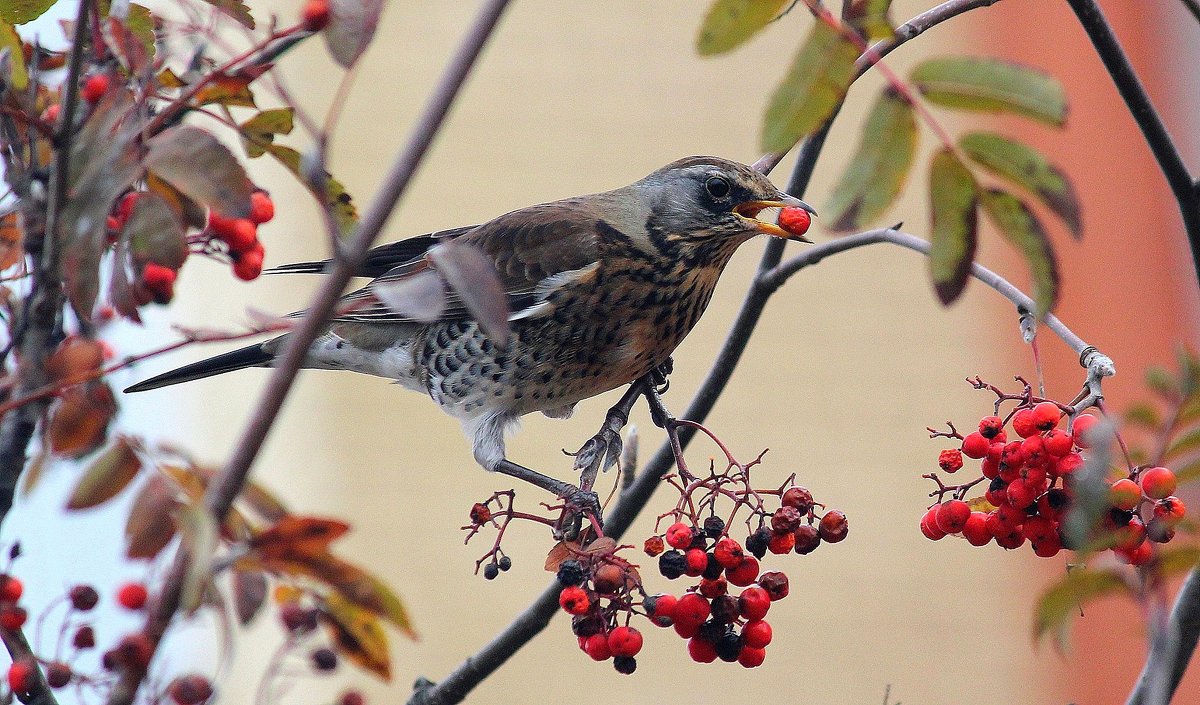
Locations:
(381, 259)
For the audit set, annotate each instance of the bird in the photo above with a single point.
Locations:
(600, 290)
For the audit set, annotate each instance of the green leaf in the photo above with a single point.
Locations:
(869, 18)
(202, 168)
(22, 11)
(729, 23)
(814, 86)
(1188, 472)
(1182, 445)
(259, 131)
(198, 532)
(1162, 382)
(1177, 559)
(18, 75)
(1024, 231)
(335, 194)
(1143, 415)
(1026, 167)
(993, 86)
(154, 233)
(1065, 598)
(108, 474)
(953, 197)
(879, 167)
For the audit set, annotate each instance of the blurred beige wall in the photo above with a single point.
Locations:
(853, 360)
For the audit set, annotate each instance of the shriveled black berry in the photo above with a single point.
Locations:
(757, 542)
(1058, 499)
(712, 631)
(713, 570)
(324, 659)
(85, 638)
(700, 541)
(713, 527)
(1119, 517)
(504, 563)
(672, 564)
(586, 624)
(997, 484)
(84, 597)
(725, 608)
(58, 674)
(570, 572)
(729, 646)
(490, 571)
(625, 664)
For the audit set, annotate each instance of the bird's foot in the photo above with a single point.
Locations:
(600, 452)
(577, 503)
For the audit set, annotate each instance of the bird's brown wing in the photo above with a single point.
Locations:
(381, 259)
(532, 250)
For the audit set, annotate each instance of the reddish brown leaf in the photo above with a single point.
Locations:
(249, 593)
(199, 165)
(186, 210)
(12, 239)
(561, 552)
(358, 635)
(125, 45)
(263, 503)
(79, 422)
(108, 474)
(151, 523)
(298, 538)
(225, 89)
(75, 359)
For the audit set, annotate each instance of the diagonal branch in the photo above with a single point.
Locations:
(1168, 658)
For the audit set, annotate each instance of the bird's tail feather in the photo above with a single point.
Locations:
(250, 356)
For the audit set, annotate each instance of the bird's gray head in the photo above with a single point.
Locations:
(705, 199)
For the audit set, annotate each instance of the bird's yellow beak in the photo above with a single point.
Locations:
(750, 210)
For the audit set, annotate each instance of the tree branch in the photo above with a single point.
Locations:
(1193, 7)
(229, 482)
(18, 647)
(1148, 119)
(1168, 658)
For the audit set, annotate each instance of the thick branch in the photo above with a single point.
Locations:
(1168, 659)
(1148, 119)
(229, 482)
(18, 648)
(1193, 7)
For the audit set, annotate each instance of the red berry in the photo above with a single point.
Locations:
(157, 277)
(1046, 415)
(11, 588)
(625, 641)
(750, 657)
(929, 525)
(315, 15)
(785, 520)
(712, 589)
(262, 208)
(248, 265)
(1125, 494)
(662, 612)
(1081, 430)
(352, 697)
(692, 609)
(756, 634)
(798, 498)
(833, 526)
(780, 544)
(85, 638)
(1047, 547)
(1012, 456)
(950, 460)
(975, 531)
(132, 596)
(1023, 423)
(241, 235)
(1170, 510)
(20, 675)
(680, 536)
(952, 515)
(134, 650)
(1058, 442)
(1157, 482)
(50, 114)
(794, 220)
(753, 603)
(1138, 556)
(1069, 464)
(94, 87)
(12, 617)
(728, 553)
(58, 674)
(990, 468)
(975, 446)
(190, 690)
(1130, 536)
(1034, 450)
(1021, 494)
(596, 647)
(686, 631)
(1038, 529)
(745, 573)
(697, 561)
(574, 600)
(702, 651)
(990, 426)
(775, 583)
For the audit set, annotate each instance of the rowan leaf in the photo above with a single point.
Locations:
(351, 27)
(155, 234)
(75, 359)
(108, 474)
(870, 18)
(259, 131)
(79, 422)
(1143, 415)
(236, 9)
(992, 86)
(358, 635)
(333, 192)
(12, 239)
(1026, 167)
(1188, 471)
(298, 538)
(249, 594)
(1068, 595)
(129, 48)
(1182, 444)
(729, 23)
(953, 198)
(355, 585)
(815, 84)
(198, 532)
(265, 504)
(151, 523)
(472, 275)
(1176, 560)
(1023, 229)
(879, 168)
(202, 168)
(18, 74)
(22, 11)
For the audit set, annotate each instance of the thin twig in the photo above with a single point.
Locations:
(1135, 97)
(229, 482)
(1193, 7)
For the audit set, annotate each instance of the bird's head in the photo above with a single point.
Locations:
(700, 200)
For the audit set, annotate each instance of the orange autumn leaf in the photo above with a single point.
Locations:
(357, 635)
(79, 422)
(12, 236)
(296, 538)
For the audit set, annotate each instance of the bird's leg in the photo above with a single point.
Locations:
(576, 501)
(603, 450)
(663, 419)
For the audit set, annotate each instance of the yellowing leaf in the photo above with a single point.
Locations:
(22, 11)
(108, 474)
(198, 531)
(151, 523)
(869, 18)
(1025, 232)
(260, 130)
(991, 85)
(18, 75)
(1024, 166)
(953, 199)
(335, 195)
(729, 23)
(228, 90)
(358, 635)
(879, 167)
(195, 162)
(1064, 598)
(814, 86)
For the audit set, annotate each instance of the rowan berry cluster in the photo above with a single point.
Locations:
(1031, 485)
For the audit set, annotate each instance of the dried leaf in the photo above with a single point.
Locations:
(1026, 167)
(560, 552)
(108, 474)
(12, 239)
(151, 523)
(22, 11)
(74, 359)
(814, 86)
(358, 635)
(953, 199)
(1022, 228)
(249, 594)
(235, 9)
(195, 162)
(879, 167)
(154, 233)
(298, 537)
(729, 23)
(79, 422)
(992, 85)
(472, 275)
(352, 583)
(18, 75)
(352, 24)
(1064, 598)
(260, 130)
(198, 532)
(980, 504)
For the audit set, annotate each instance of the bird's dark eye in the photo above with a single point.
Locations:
(717, 186)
